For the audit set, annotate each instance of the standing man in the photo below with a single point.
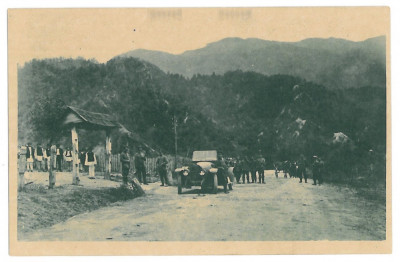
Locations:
(39, 158)
(30, 155)
(59, 157)
(317, 170)
(126, 165)
(261, 168)
(82, 157)
(301, 170)
(223, 168)
(68, 158)
(292, 169)
(237, 170)
(245, 170)
(286, 166)
(253, 170)
(46, 155)
(276, 170)
(140, 160)
(162, 170)
(91, 161)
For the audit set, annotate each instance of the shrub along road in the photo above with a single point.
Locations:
(281, 209)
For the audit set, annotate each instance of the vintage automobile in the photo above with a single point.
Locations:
(206, 171)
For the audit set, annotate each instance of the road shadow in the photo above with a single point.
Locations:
(197, 191)
(191, 191)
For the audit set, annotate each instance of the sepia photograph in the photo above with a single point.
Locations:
(172, 131)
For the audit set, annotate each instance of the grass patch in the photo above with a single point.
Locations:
(39, 207)
(370, 188)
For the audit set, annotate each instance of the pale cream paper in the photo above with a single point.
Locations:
(104, 33)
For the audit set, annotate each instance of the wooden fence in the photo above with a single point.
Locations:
(116, 168)
(150, 164)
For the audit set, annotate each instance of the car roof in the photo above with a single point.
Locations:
(209, 155)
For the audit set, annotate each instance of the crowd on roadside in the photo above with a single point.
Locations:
(38, 158)
(247, 168)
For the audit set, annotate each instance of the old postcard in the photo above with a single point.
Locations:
(175, 131)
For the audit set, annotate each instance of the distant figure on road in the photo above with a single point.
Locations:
(286, 166)
(276, 170)
(59, 157)
(245, 170)
(292, 169)
(317, 170)
(162, 170)
(253, 169)
(301, 170)
(237, 170)
(30, 155)
(126, 165)
(260, 170)
(91, 161)
(140, 160)
(221, 164)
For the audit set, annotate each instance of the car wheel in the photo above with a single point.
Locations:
(215, 186)
(179, 184)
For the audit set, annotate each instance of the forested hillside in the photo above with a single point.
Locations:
(278, 116)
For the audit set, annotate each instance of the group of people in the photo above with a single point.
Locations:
(246, 169)
(38, 158)
(298, 169)
(244, 166)
(140, 167)
(41, 158)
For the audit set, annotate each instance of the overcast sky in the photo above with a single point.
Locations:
(104, 33)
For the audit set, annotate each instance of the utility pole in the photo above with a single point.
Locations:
(176, 140)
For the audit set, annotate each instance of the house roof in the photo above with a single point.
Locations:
(98, 121)
(87, 119)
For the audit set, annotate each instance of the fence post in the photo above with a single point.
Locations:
(107, 174)
(75, 156)
(52, 173)
(21, 169)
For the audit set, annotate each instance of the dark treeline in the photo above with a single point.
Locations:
(238, 113)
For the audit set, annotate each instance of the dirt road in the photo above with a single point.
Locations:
(281, 209)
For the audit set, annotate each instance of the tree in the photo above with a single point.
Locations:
(45, 118)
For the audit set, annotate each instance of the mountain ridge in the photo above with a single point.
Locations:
(321, 60)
